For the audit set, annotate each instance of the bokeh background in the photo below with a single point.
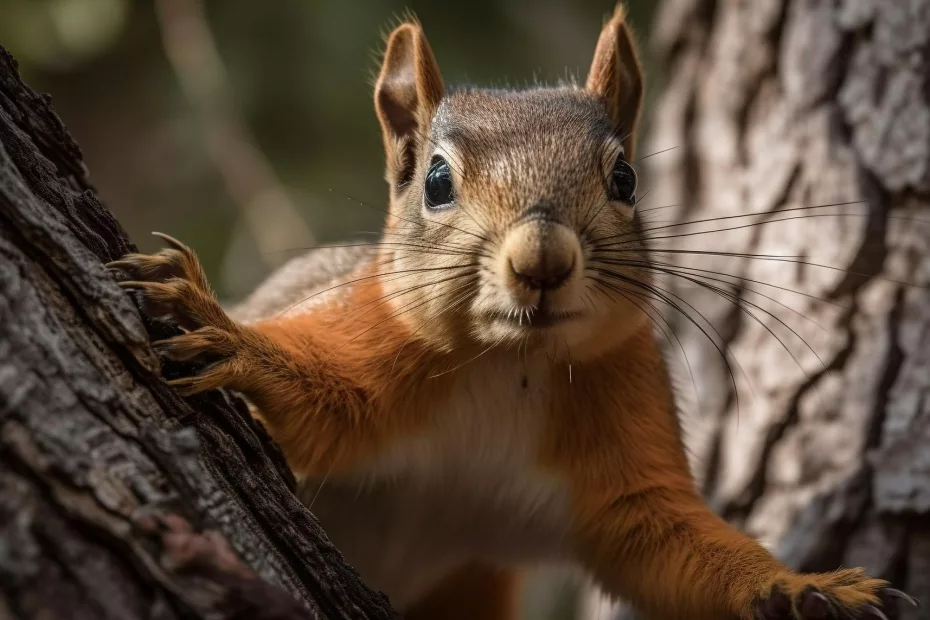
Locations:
(246, 129)
(243, 128)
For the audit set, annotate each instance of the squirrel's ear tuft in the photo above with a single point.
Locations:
(616, 76)
(407, 92)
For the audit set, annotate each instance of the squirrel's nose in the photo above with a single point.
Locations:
(541, 255)
(541, 273)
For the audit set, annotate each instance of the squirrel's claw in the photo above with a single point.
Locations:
(870, 612)
(172, 285)
(215, 376)
(177, 262)
(890, 594)
(177, 245)
(844, 595)
(204, 341)
(814, 606)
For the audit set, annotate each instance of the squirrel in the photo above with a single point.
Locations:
(481, 392)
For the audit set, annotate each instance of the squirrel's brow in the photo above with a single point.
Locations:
(472, 145)
(475, 145)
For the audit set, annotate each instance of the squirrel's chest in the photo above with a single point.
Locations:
(469, 487)
(485, 430)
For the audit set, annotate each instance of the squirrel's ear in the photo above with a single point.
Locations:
(407, 93)
(616, 76)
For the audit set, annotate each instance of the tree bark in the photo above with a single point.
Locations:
(119, 499)
(776, 105)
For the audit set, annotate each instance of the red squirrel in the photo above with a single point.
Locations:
(482, 391)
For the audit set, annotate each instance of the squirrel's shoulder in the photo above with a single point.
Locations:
(306, 277)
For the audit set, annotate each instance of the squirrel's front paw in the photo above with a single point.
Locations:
(841, 595)
(173, 285)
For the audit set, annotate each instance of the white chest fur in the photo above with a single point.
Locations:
(467, 489)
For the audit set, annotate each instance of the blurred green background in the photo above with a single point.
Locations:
(193, 114)
(296, 74)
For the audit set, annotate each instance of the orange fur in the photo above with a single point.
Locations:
(636, 504)
(336, 391)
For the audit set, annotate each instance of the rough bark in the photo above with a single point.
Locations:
(779, 104)
(102, 466)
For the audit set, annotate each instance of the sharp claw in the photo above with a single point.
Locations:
(873, 613)
(171, 241)
(899, 594)
(815, 606)
(184, 386)
(778, 605)
(134, 284)
(176, 352)
(189, 386)
(165, 345)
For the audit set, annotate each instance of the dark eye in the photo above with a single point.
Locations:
(623, 182)
(437, 192)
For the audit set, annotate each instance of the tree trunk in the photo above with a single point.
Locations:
(823, 452)
(103, 468)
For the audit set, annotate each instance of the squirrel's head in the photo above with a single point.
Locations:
(502, 201)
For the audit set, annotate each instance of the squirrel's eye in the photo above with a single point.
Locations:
(623, 182)
(437, 192)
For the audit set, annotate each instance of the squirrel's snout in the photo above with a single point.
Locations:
(541, 255)
(541, 274)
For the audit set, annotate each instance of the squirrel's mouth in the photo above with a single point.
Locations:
(538, 318)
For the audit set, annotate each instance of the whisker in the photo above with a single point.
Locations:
(397, 313)
(737, 277)
(745, 215)
(672, 148)
(737, 301)
(452, 250)
(588, 222)
(320, 488)
(787, 259)
(380, 301)
(660, 208)
(655, 321)
(669, 298)
(456, 301)
(362, 279)
(445, 372)
(444, 245)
